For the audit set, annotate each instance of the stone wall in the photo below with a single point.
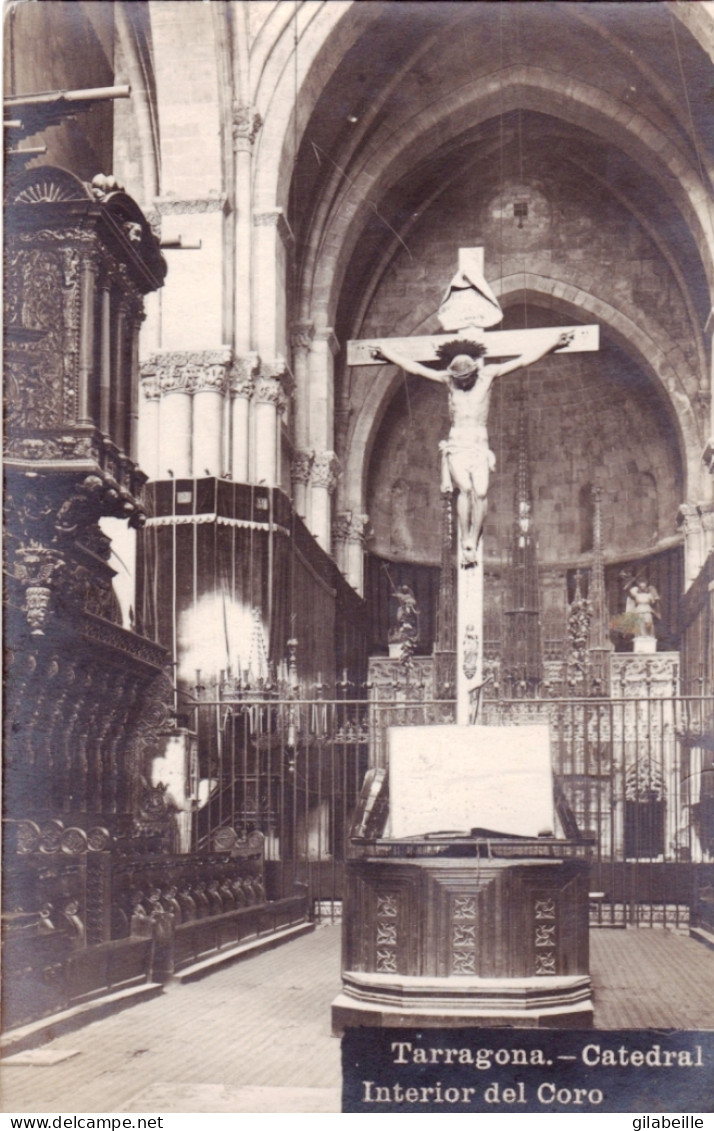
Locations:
(590, 415)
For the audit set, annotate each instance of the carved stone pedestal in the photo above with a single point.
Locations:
(644, 645)
(455, 935)
(634, 675)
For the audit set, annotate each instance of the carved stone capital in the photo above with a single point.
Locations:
(269, 390)
(195, 205)
(689, 519)
(189, 371)
(246, 123)
(289, 384)
(301, 335)
(328, 335)
(275, 218)
(36, 568)
(706, 516)
(244, 371)
(173, 378)
(350, 527)
(325, 470)
(274, 367)
(69, 258)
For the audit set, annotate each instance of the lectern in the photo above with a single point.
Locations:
(465, 904)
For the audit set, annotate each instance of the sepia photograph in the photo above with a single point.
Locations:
(358, 606)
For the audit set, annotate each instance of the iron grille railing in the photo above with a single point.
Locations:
(636, 773)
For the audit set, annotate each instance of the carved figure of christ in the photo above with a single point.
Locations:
(466, 457)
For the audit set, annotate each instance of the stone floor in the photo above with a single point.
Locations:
(255, 1037)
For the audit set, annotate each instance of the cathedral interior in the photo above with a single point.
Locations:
(229, 564)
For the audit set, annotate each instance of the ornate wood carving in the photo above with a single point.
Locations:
(386, 937)
(42, 341)
(463, 935)
(470, 916)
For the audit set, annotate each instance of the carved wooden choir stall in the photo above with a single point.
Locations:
(93, 881)
(448, 924)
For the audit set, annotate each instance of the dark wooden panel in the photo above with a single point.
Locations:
(441, 918)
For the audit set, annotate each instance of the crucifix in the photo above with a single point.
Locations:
(469, 363)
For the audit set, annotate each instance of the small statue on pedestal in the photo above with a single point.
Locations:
(642, 600)
(403, 637)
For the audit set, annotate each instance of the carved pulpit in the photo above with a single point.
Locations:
(470, 910)
(85, 695)
(79, 260)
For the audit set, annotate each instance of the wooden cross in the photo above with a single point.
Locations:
(468, 308)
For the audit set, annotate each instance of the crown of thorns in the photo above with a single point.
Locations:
(461, 347)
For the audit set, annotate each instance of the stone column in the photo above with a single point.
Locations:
(708, 395)
(325, 470)
(272, 239)
(149, 439)
(88, 271)
(209, 386)
(176, 419)
(300, 470)
(121, 377)
(246, 124)
(244, 371)
(348, 534)
(268, 403)
(301, 337)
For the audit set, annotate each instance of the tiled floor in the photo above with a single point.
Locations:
(255, 1037)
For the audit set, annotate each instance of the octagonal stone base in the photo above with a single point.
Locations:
(393, 1001)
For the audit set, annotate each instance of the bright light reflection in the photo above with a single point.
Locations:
(218, 633)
